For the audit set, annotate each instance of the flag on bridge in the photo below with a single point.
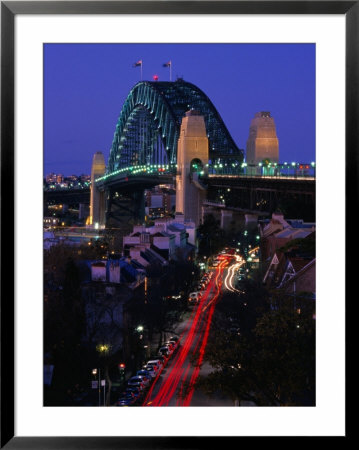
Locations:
(138, 63)
(168, 64)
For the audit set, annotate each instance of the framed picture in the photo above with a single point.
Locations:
(302, 58)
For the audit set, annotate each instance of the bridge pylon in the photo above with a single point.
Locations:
(97, 197)
(192, 161)
(262, 144)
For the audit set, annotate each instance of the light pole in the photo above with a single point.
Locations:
(103, 383)
(140, 331)
(102, 349)
(95, 372)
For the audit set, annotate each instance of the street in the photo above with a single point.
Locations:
(174, 386)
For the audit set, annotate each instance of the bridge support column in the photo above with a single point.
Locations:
(108, 205)
(226, 218)
(83, 211)
(97, 199)
(139, 205)
(124, 208)
(251, 217)
(192, 157)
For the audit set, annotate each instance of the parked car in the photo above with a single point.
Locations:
(171, 348)
(170, 345)
(162, 359)
(155, 362)
(164, 351)
(175, 343)
(136, 393)
(126, 399)
(144, 373)
(146, 377)
(136, 382)
(125, 402)
(152, 370)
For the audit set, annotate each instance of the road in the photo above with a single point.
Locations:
(174, 386)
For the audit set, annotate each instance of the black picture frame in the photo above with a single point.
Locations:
(9, 9)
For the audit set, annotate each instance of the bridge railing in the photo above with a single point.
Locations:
(293, 170)
(132, 171)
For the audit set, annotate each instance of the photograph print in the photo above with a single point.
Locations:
(179, 227)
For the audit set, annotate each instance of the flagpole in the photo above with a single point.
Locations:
(141, 69)
(170, 70)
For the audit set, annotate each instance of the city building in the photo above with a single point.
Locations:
(155, 239)
(162, 241)
(51, 221)
(114, 271)
(51, 178)
(84, 178)
(59, 181)
(299, 276)
(277, 232)
(293, 274)
(59, 178)
(288, 246)
(160, 201)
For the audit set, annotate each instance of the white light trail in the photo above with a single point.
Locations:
(228, 282)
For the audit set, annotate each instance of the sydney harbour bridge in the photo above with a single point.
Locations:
(144, 154)
(144, 147)
(148, 128)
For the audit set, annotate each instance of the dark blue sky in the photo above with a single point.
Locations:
(85, 86)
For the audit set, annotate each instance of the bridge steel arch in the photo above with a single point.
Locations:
(148, 128)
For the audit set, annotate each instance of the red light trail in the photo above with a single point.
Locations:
(179, 371)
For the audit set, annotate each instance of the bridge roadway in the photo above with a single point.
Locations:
(66, 196)
(248, 193)
(259, 193)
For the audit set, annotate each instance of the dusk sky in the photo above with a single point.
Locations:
(85, 86)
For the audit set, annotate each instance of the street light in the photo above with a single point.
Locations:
(98, 384)
(102, 349)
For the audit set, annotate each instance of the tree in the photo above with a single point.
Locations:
(296, 206)
(161, 311)
(211, 236)
(272, 365)
(64, 322)
(301, 246)
(70, 337)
